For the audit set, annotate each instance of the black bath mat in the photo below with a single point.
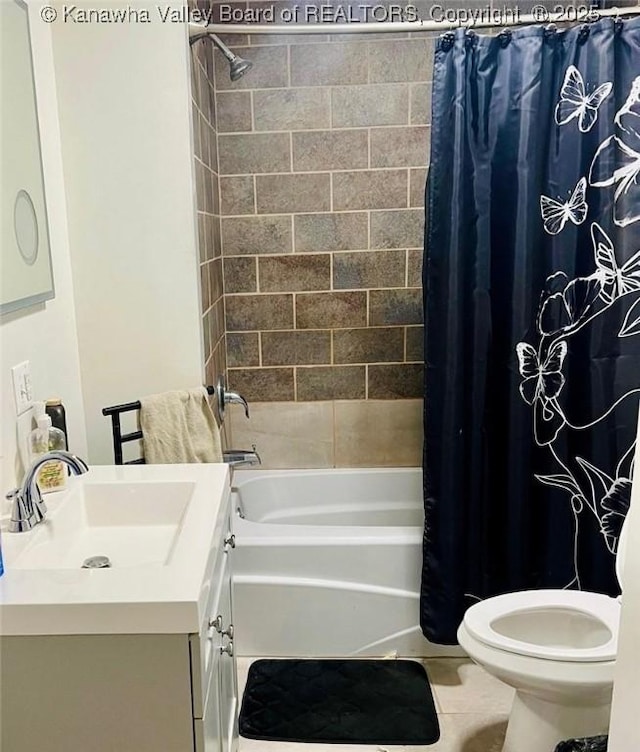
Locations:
(339, 701)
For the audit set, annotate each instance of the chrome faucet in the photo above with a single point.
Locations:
(226, 397)
(241, 457)
(235, 398)
(28, 506)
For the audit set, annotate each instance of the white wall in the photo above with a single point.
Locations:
(123, 92)
(45, 334)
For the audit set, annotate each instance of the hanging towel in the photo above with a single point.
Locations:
(179, 427)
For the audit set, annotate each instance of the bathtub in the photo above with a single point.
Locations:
(328, 562)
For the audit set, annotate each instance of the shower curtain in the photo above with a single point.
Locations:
(532, 309)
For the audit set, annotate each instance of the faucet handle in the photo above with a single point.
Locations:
(234, 397)
(226, 397)
(21, 520)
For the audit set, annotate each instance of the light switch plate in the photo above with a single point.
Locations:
(22, 390)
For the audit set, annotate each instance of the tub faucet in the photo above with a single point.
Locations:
(241, 457)
(28, 506)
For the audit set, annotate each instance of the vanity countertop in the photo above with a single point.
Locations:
(161, 526)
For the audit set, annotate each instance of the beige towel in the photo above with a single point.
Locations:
(179, 427)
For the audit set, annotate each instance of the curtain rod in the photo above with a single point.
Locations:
(507, 17)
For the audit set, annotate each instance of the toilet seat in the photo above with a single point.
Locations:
(591, 616)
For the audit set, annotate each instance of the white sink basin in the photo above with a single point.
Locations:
(161, 526)
(131, 523)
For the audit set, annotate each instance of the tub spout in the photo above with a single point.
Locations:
(242, 457)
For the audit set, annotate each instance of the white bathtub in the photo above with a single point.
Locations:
(328, 562)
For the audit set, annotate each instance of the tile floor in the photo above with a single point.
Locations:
(472, 708)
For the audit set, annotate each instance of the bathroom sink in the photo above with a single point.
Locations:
(130, 523)
(161, 527)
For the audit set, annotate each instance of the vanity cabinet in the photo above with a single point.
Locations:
(215, 687)
(128, 692)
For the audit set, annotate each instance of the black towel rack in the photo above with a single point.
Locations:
(114, 412)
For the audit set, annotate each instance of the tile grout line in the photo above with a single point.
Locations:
(252, 112)
(295, 308)
(331, 126)
(408, 194)
(329, 85)
(331, 209)
(272, 215)
(331, 272)
(291, 151)
(404, 126)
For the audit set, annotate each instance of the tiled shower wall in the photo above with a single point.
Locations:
(208, 208)
(322, 149)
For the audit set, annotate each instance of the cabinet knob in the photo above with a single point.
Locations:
(216, 623)
(228, 649)
(230, 541)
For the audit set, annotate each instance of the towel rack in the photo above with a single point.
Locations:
(119, 438)
(223, 395)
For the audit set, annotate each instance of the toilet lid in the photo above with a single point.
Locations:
(560, 625)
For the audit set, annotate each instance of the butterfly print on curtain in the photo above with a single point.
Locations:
(556, 214)
(569, 305)
(576, 104)
(617, 161)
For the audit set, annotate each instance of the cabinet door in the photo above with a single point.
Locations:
(227, 667)
(207, 729)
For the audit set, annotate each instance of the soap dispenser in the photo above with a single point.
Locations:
(52, 476)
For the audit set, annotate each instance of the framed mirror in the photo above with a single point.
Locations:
(26, 276)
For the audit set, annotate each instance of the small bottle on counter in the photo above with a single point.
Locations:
(52, 476)
(55, 410)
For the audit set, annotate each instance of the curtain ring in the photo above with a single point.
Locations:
(447, 40)
(618, 23)
(583, 33)
(504, 37)
(470, 37)
(550, 31)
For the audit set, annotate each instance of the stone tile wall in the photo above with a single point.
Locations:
(323, 147)
(205, 145)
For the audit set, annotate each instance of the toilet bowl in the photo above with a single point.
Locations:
(557, 649)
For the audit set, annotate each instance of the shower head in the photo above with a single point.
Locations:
(237, 66)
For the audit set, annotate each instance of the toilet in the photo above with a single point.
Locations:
(557, 649)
